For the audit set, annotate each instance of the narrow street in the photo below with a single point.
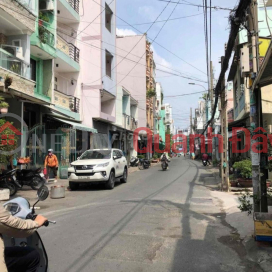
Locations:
(158, 221)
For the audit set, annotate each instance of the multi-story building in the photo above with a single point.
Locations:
(150, 86)
(169, 122)
(98, 73)
(134, 72)
(240, 76)
(159, 114)
(126, 121)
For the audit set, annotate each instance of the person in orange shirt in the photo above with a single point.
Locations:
(51, 163)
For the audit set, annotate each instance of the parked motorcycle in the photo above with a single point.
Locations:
(8, 180)
(134, 161)
(31, 177)
(20, 207)
(143, 164)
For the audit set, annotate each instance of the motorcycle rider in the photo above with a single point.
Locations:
(13, 259)
(205, 157)
(165, 157)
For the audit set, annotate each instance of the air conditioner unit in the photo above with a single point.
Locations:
(46, 5)
(13, 50)
(244, 58)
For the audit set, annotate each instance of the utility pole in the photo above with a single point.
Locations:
(191, 127)
(258, 177)
(212, 105)
(224, 133)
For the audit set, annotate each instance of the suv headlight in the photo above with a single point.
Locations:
(103, 164)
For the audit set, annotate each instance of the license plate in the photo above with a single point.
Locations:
(84, 177)
(42, 175)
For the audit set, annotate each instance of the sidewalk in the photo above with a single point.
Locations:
(240, 223)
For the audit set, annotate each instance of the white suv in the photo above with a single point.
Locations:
(98, 166)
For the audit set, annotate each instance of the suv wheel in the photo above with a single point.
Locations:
(124, 177)
(73, 185)
(111, 181)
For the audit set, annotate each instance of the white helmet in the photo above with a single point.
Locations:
(50, 150)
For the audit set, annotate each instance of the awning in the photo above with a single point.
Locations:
(77, 125)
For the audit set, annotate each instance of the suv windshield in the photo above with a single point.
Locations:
(96, 154)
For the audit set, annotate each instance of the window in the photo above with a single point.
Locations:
(109, 58)
(96, 154)
(108, 17)
(16, 43)
(33, 69)
(120, 153)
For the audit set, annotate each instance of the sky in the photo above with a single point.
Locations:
(183, 37)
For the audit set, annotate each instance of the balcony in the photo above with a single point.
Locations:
(20, 85)
(46, 36)
(74, 52)
(12, 63)
(13, 16)
(148, 72)
(29, 4)
(67, 56)
(74, 4)
(68, 11)
(67, 102)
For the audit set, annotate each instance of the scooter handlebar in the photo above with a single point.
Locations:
(47, 222)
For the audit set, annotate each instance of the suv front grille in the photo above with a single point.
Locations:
(84, 174)
(84, 167)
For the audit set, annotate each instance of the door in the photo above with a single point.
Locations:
(122, 161)
(117, 163)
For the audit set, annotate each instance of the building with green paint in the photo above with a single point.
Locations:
(40, 57)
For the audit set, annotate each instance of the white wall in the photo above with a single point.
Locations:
(94, 41)
(108, 43)
(136, 81)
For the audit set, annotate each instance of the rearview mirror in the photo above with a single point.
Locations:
(42, 193)
(114, 157)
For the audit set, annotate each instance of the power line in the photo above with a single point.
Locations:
(236, 20)
(191, 78)
(114, 45)
(195, 5)
(133, 46)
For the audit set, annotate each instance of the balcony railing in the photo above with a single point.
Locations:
(74, 52)
(28, 4)
(74, 4)
(63, 46)
(74, 104)
(46, 36)
(67, 101)
(11, 63)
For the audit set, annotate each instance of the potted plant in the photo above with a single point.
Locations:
(3, 105)
(233, 181)
(8, 81)
(245, 169)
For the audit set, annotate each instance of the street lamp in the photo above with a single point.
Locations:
(192, 83)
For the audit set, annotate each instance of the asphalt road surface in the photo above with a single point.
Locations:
(158, 221)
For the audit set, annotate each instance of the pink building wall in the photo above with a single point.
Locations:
(94, 40)
(135, 82)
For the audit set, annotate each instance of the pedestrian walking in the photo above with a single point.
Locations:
(51, 164)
